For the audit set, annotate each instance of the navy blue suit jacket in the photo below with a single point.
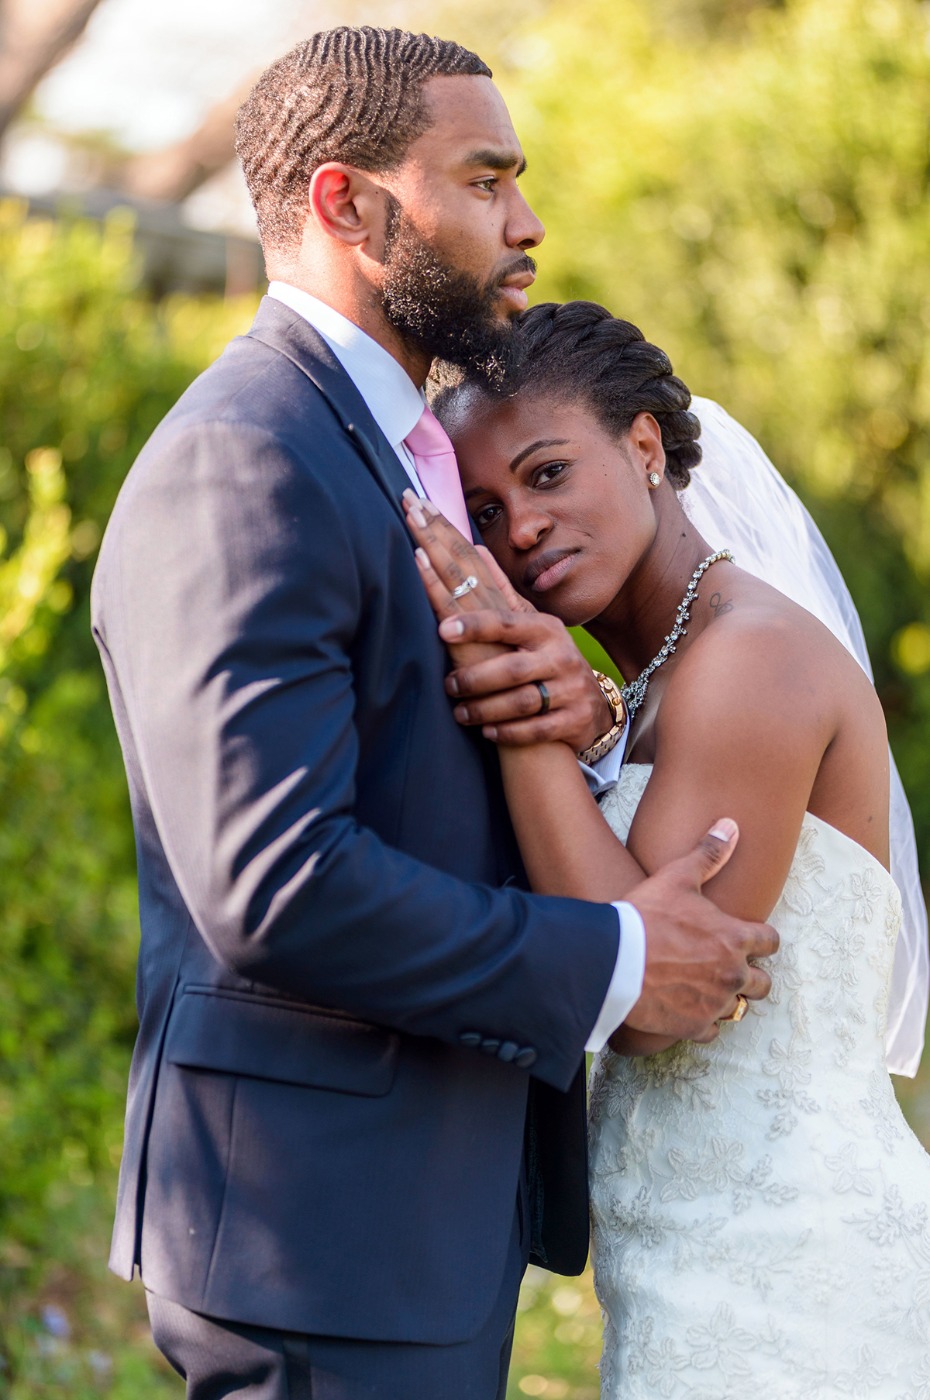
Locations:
(343, 993)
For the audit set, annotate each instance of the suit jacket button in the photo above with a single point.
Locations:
(508, 1051)
(470, 1038)
(490, 1047)
(526, 1058)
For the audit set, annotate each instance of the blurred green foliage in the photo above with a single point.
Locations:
(87, 368)
(749, 185)
(745, 180)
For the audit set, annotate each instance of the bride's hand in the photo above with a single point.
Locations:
(506, 654)
(448, 564)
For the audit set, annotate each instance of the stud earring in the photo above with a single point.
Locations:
(654, 480)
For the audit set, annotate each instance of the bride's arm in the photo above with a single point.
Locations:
(745, 721)
(728, 740)
(744, 724)
(566, 845)
(732, 735)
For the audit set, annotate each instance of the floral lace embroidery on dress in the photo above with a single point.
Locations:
(759, 1204)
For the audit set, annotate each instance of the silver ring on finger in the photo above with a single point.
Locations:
(465, 586)
(544, 696)
(739, 1011)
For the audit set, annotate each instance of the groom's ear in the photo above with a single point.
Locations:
(346, 204)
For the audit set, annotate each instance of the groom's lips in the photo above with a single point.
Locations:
(513, 288)
(548, 569)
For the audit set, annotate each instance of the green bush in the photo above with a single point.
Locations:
(87, 367)
(755, 198)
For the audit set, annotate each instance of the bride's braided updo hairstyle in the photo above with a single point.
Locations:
(578, 351)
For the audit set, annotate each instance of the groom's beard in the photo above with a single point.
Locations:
(439, 308)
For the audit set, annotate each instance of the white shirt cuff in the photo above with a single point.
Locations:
(604, 774)
(626, 984)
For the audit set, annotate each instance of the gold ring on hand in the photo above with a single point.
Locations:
(742, 1006)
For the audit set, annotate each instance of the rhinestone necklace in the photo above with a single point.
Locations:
(635, 693)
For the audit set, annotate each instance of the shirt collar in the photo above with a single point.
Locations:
(393, 399)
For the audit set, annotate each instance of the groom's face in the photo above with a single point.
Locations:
(458, 230)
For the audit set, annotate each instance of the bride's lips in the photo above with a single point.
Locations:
(548, 569)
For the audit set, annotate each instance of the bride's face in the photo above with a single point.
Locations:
(564, 507)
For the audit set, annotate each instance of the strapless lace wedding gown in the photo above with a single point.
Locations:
(760, 1205)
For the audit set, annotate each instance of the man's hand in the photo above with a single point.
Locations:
(502, 695)
(698, 959)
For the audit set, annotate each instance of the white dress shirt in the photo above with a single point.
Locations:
(396, 404)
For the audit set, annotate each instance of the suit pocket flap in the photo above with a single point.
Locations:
(237, 1033)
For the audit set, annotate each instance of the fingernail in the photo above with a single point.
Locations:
(452, 685)
(461, 713)
(417, 516)
(410, 497)
(724, 830)
(451, 628)
(422, 559)
(490, 731)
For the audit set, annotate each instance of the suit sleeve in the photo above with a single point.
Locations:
(229, 604)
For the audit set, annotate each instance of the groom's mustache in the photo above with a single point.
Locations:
(519, 268)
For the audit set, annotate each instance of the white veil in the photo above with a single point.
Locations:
(737, 500)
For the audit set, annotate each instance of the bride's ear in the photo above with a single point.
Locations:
(645, 439)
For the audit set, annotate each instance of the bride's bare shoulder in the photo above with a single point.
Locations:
(759, 651)
(745, 611)
(770, 712)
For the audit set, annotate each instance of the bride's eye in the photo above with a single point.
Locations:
(549, 473)
(486, 516)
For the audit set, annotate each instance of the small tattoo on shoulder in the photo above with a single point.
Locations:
(720, 605)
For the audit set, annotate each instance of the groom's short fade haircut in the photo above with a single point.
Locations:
(349, 94)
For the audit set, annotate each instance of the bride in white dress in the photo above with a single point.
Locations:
(759, 1204)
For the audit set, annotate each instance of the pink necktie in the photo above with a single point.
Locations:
(434, 458)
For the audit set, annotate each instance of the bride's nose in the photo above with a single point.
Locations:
(527, 526)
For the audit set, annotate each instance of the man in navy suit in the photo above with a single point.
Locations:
(355, 1107)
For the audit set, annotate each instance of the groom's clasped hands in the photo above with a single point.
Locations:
(518, 674)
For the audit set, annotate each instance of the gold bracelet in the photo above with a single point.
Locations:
(611, 693)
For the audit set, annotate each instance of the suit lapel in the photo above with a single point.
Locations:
(277, 326)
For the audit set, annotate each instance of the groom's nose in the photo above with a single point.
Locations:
(524, 229)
